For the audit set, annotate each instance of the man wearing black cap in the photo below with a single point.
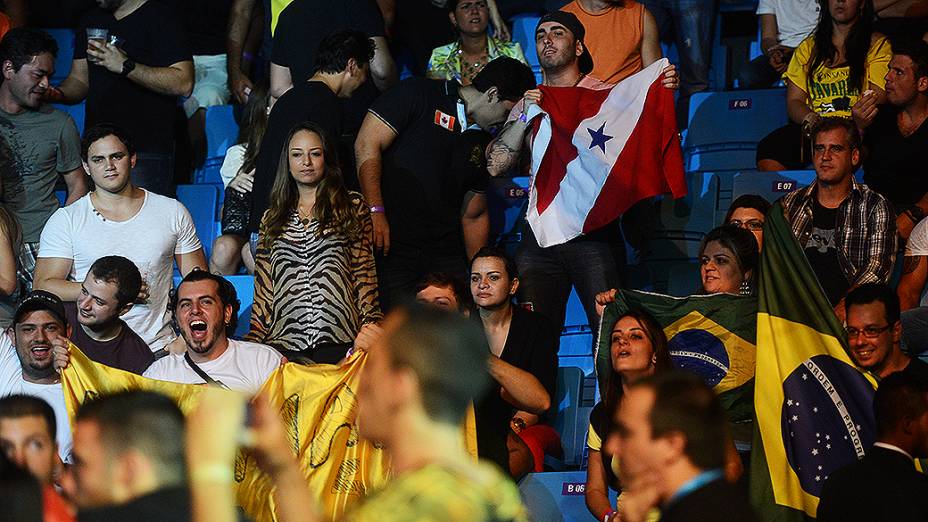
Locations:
(26, 357)
(588, 262)
(422, 169)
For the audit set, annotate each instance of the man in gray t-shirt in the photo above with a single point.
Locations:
(37, 142)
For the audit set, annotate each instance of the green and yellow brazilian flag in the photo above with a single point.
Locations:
(711, 335)
(814, 408)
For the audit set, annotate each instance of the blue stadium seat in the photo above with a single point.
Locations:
(683, 279)
(506, 200)
(523, 31)
(771, 185)
(62, 196)
(569, 424)
(202, 201)
(76, 112)
(724, 127)
(697, 210)
(557, 496)
(221, 133)
(245, 289)
(65, 40)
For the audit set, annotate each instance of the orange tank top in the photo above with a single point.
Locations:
(614, 39)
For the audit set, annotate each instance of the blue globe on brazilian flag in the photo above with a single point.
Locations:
(710, 335)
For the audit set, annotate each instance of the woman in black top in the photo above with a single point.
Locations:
(523, 364)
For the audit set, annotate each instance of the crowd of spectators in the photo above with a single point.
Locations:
(359, 204)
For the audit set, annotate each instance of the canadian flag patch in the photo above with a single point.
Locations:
(444, 120)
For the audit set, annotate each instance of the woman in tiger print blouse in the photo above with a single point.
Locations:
(315, 279)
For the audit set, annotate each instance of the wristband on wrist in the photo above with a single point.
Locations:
(607, 515)
(375, 209)
(523, 118)
(215, 473)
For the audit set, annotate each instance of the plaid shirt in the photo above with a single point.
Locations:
(865, 231)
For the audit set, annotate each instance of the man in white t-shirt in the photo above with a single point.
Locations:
(26, 358)
(118, 218)
(784, 24)
(206, 311)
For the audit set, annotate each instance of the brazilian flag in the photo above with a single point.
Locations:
(710, 335)
(814, 407)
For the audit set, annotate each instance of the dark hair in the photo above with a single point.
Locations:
(684, 404)
(225, 290)
(856, 47)
(102, 130)
(148, 422)
(333, 209)
(16, 406)
(837, 122)
(337, 48)
(739, 241)
(612, 395)
(917, 51)
(510, 77)
(20, 493)
(254, 124)
(453, 5)
(21, 44)
(900, 397)
(448, 355)
(490, 251)
(754, 201)
(449, 281)
(875, 292)
(123, 273)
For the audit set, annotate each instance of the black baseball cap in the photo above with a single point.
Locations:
(573, 24)
(510, 77)
(41, 300)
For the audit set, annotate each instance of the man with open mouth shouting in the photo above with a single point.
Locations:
(27, 361)
(206, 311)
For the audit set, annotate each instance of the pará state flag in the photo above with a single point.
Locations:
(710, 335)
(814, 407)
(595, 153)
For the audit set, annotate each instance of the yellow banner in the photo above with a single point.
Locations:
(318, 404)
(319, 407)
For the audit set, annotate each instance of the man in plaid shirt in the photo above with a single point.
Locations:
(848, 231)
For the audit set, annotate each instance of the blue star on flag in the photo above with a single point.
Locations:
(599, 138)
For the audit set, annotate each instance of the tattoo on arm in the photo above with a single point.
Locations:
(910, 263)
(501, 158)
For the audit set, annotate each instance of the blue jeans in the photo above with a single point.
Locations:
(692, 23)
(547, 274)
(915, 331)
(154, 171)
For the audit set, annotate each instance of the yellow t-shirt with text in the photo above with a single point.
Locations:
(829, 94)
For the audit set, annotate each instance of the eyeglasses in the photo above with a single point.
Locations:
(870, 332)
(754, 224)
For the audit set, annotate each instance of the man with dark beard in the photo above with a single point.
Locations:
(206, 312)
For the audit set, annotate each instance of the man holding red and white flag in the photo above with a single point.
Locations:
(596, 150)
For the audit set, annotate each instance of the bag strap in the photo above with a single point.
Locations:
(203, 375)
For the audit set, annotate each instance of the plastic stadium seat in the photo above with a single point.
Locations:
(724, 127)
(62, 196)
(523, 31)
(221, 133)
(771, 185)
(557, 496)
(245, 290)
(76, 112)
(568, 423)
(683, 279)
(506, 200)
(65, 40)
(202, 201)
(697, 210)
